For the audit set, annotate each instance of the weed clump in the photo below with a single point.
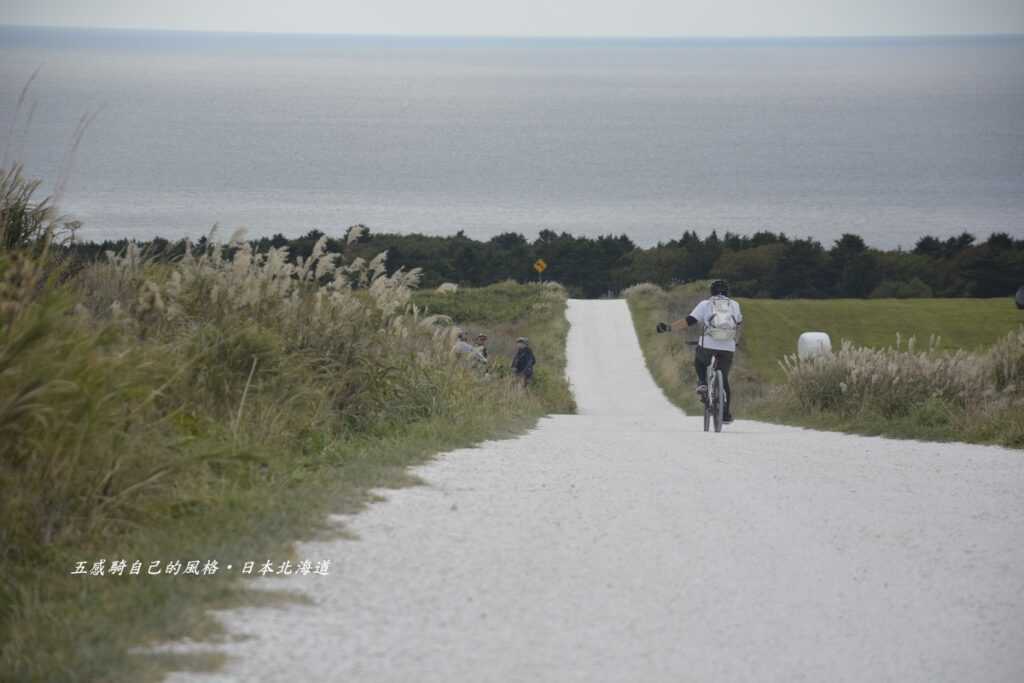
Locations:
(892, 381)
(144, 401)
(969, 393)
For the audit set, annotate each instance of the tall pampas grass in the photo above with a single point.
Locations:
(892, 381)
(152, 405)
(139, 374)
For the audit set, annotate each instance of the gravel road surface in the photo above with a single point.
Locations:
(625, 544)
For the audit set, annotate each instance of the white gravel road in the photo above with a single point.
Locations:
(625, 544)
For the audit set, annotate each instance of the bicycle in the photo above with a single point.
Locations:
(714, 400)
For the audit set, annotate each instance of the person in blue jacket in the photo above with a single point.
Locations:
(523, 362)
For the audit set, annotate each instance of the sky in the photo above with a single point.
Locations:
(698, 18)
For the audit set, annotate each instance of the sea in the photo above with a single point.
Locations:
(146, 133)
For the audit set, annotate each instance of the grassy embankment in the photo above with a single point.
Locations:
(962, 380)
(216, 408)
(504, 312)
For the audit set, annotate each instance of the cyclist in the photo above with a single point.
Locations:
(720, 318)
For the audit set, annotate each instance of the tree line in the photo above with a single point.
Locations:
(765, 264)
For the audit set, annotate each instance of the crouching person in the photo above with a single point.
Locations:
(523, 362)
(464, 351)
(481, 345)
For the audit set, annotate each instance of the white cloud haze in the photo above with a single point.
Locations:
(535, 17)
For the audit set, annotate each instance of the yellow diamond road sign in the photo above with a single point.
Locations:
(540, 266)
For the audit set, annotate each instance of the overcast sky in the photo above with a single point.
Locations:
(535, 17)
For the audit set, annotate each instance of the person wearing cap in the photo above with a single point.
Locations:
(481, 345)
(524, 360)
(464, 350)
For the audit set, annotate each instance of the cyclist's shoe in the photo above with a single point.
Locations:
(702, 393)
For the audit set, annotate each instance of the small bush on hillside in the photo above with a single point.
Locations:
(642, 288)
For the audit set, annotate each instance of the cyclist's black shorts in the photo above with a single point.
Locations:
(704, 356)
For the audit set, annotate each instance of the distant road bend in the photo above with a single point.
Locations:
(625, 544)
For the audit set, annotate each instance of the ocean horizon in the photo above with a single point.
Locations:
(889, 137)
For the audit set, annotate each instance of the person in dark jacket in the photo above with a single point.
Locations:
(523, 362)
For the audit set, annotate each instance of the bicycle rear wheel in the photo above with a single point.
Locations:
(718, 404)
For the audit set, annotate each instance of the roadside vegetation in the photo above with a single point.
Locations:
(217, 405)
(939, 324)
(948, 370)
(509, 310)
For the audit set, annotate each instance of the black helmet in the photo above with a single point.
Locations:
(719, 287)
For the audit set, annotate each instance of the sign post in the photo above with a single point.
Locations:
(540, 266)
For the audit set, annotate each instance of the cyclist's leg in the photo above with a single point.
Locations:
(724, 363)
(701, 358)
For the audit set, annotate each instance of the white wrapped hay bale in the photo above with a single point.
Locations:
(813, 344)
(447, 288)
(1020, 298)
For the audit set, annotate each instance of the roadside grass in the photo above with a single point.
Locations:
(668, 358)
(773, 325)
(216, 408)
(968, 388)
(75, 628)
(506, 311)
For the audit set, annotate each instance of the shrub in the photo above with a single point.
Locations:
(25, 222)
(125, 402)
(893, 382)
(915, 289)
(641, 289)
(76, 407)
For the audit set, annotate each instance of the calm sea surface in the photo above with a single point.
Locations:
(888, 138)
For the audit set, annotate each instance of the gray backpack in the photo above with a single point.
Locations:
(722, 323)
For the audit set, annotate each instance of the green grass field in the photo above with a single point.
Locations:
(772, 327)
(771, 330)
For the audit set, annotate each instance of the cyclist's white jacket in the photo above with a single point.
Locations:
(702, 314)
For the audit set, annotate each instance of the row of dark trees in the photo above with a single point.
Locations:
(765, 264)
